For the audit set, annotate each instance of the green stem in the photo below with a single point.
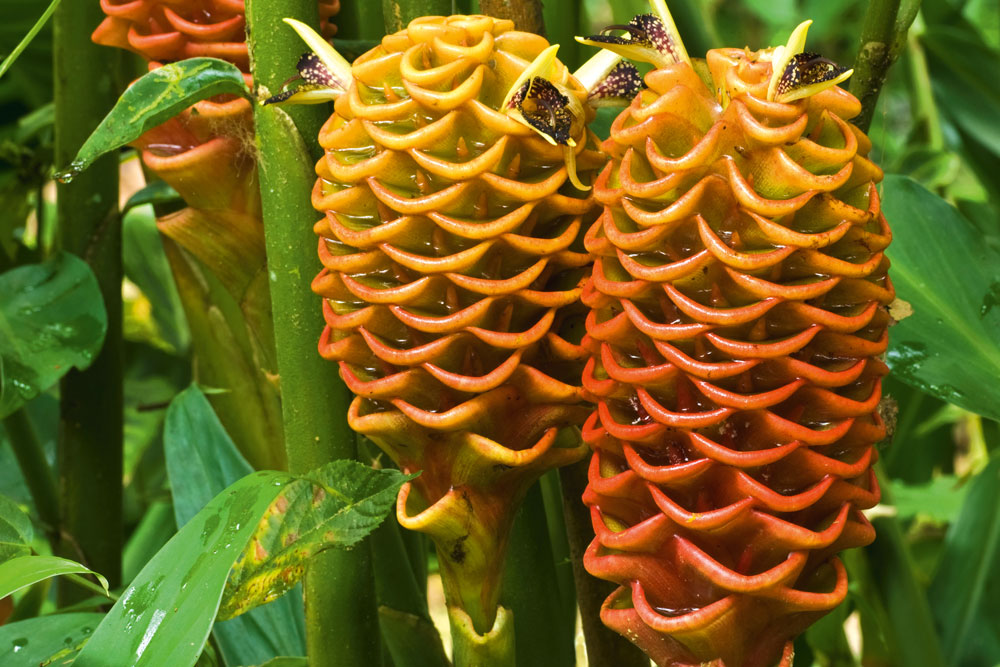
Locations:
(605, 648)
(341, 618)
(531, 591)
(90, 430)
(882, 35)
(556, 520)
(37, 474)
(526, 14)
(399, 13)
(561, 20)
(923, 94)
(359, 21)
(913, 639)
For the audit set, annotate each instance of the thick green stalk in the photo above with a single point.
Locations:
(561, 20)
(531, 591)
(90, 426)
(399, 13)
(341, 619)
(526, 14)
(37, 474)
(605, 648)
(882, 36)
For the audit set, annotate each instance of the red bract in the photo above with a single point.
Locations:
(738, 302)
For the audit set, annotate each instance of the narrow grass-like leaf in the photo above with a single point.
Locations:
(164, 616)
(965, 593)
(154, 98)
(45, 640)
(337, 506)
(16, 531)
(950, 345)
(201, 462)
(20, 572)
(23, 44)
(51, 319)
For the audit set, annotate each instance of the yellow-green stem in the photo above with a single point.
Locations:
(341, 620)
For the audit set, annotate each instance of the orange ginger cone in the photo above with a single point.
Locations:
(451, 241)
(738, 314)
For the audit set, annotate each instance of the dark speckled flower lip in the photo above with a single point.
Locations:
(737, 321)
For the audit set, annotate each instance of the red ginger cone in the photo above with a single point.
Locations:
(205, 154)
(738, 313)
(450, 241)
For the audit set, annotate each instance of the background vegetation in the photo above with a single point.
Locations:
(926, 593)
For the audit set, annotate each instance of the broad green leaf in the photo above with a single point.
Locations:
(965, 593)
(155, 529)
(16, 531)
(155, 98)
(164, 616)
(36, 641)
(201, 462)
(335, 506)
(51, 319)
(964, 73)
(285, 661)
(940, 499)
(23, 571)
(950, 345)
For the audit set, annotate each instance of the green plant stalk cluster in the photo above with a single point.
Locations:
(90, 428)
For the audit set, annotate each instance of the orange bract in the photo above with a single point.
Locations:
(169, 30)
(737, 317)
(451, 251)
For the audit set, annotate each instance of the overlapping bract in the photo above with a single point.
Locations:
(450, 241)
(737, 317)
(205, 155)
(170, 30)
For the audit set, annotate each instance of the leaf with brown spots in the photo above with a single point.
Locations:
(335, 506)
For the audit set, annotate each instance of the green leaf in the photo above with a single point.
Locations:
(146, 265)
(950, 345)
(940, 499)
(155, 98)
(36, 641)
(335, 506)
(965, 593)
(157, 192)
(16, 531)
(285, 661)
(51, 318)
(201, 462)
(963, 73)
(23, 571)
(35, 29)
(164, 616)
